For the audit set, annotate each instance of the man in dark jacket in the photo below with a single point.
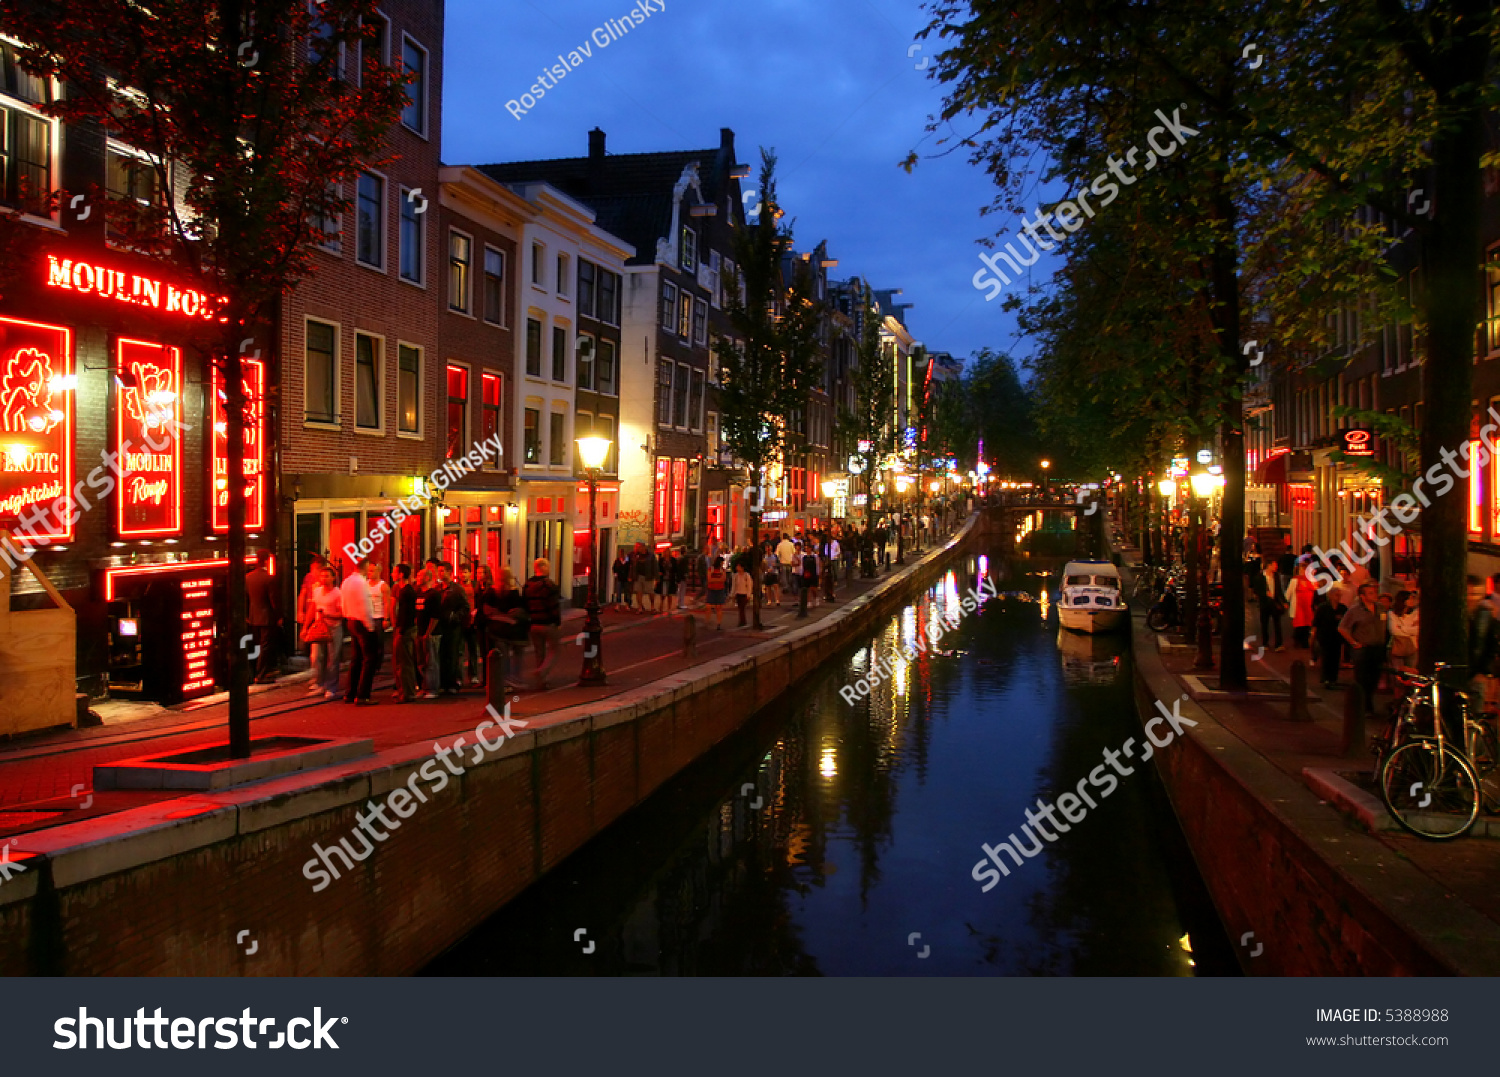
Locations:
(1326, 620)
(453, 611)
(404, 648)
(261, 616)
(544, 604)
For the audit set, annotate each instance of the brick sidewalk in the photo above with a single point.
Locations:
(47, 779)
(1468, 867)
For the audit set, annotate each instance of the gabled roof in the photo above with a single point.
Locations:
(630, 192)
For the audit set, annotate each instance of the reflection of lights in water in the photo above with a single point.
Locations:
(1186, 942)
(1045, 601)
(828, 766)
(984, 566)
(899, 679)
(909, 625)
(861, 660)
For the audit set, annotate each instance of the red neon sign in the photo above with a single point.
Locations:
(679, 493)
(90, 278)
(36, 429)
(663, 485)
(254, 382)
(197, 637)
(148, 424)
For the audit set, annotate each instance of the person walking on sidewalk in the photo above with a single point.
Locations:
(1484, 644)
(1301, 593)
(743, 585)
(1404, 621)
(621, 572)
(1330, 644)
(512, 626)
(697, 570)
(1266, 584)
(261, 616)
(359, 619)
(404, 643)
(544, 605)
(1364, 626)
(771, 565)
(786, 558)
(644, 577)
(718, 587)
(317, 628)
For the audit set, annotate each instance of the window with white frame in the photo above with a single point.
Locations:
(532, 440)
(557, 440)
(410, 239)
(607, 301)
(330, 226)
(370, 221)
(533, 348)
(26, 136)
(604, 427)
(688, 250)
(695, 401)
(585, 363)
(684, 314)
(376, 44)
(460, 258)
(367, 370)
(700, 322)
(559, 353)
(668, 306)
(585, 288)
(564, 265)
(680, 396)
(129, 176)
(538, 254)
(664, 372)
(604, 368)
(408, 389)
(414, 60)
(494, 286)
(320, 372)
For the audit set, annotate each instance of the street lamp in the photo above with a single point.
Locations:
(903, 484)
(1166, 487)
(592, 452)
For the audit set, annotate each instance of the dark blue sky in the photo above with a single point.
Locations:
(829, 86)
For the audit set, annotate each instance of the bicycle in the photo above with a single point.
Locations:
(1431, 787)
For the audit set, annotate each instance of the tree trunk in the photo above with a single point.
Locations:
(1226, 314)
(1451, 256)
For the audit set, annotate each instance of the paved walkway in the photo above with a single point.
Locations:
(1468, 867)
(46, 779)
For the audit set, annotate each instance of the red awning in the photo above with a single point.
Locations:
(1273, 471)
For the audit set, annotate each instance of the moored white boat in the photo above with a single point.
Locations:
(1091, 598)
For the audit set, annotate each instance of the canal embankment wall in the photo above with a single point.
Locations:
(1301, 889)
(214, 883)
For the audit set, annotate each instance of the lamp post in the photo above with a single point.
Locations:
(1203, 485)
(903, 484)
(592, 451)
(1045, 465)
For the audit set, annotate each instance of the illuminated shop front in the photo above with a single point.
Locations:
(112, 450)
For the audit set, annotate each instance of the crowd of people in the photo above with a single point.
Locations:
(1351, 623)
(441, 624)
(438, 622)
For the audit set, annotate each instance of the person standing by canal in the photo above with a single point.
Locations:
(359, 620)
(645, 569)
(430, 625)
(455, 615)
(1364, 626)
(718, 588)
(261, 616)
(1330, 644)
(380, 600)
(743, 585)
(544, 605)
(404, 643)
(621, 572)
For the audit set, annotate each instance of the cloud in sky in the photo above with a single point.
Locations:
(830, 87)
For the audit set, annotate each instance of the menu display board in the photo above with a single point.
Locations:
(36, 429)
(148, 438)
(197, 636)
(254, 382)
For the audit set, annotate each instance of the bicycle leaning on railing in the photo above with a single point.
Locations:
(1433, 787)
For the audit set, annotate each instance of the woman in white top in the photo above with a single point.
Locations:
(1404, 621)
(329, 601)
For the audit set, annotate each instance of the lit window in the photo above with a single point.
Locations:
(458, 272)
(533, 443)
(458, 412)
(493, 395)
(366, 382)
(320, 372)
(409, 389)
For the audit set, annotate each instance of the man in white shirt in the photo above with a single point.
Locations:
(786, 556)
(359, 621)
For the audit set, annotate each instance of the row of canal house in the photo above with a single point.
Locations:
(536, 302)
(1307, 481)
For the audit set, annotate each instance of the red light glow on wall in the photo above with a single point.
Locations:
(36, 429)
(148, 424)
(254, 382)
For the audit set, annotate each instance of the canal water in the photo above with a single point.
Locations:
(830, 838)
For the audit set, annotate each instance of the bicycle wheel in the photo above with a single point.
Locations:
(1430, 790)
(1157, 620)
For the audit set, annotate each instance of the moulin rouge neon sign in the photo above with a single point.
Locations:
(148, 418)
(90, 278)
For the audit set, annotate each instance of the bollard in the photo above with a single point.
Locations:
(496, 673)
(1353, 745)
(1299, 713)
(690, 636)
